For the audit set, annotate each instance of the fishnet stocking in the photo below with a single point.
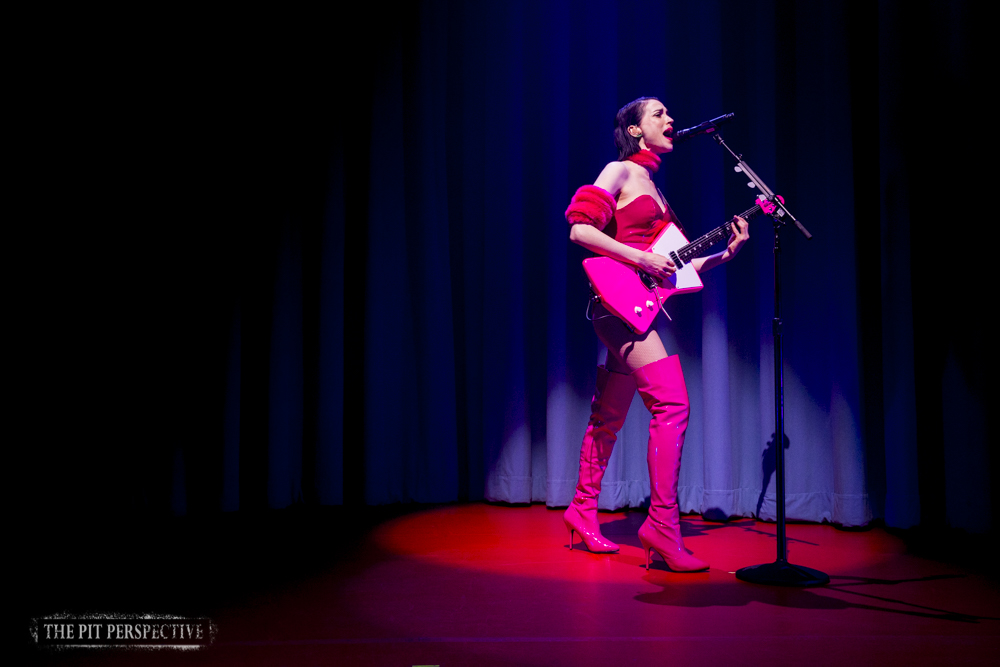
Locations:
(626, 351)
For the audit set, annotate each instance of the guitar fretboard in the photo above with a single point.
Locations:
(702, 243)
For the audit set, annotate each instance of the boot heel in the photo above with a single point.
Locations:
(647, 548)
(592, 539)
(674, 555)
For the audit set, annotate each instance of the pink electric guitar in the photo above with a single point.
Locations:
(634, 296)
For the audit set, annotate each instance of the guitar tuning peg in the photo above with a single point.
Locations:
(738, 169)
(751, 184)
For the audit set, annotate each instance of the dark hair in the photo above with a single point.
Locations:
(630, 114)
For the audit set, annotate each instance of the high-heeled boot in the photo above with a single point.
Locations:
(607, 415)
(661, 385)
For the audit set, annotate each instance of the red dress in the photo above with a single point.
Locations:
(637, 223)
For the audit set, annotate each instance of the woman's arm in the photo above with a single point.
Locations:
(597, 241)
(736, 242)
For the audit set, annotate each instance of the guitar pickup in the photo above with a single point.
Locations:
(675, 259)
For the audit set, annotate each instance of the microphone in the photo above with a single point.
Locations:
(707, 127)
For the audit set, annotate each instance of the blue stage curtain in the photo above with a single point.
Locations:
(533, 107)
(351, 281)
(467, 362)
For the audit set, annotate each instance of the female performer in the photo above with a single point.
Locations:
(619, 216)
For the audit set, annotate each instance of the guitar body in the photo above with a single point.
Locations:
(623, 292)
(633, 296)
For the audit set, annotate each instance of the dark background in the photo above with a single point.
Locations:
(166, 160)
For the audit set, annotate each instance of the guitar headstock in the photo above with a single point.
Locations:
(769, 207)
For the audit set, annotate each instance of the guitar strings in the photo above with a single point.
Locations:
(692, 249)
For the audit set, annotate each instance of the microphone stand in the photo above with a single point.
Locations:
(780, 572)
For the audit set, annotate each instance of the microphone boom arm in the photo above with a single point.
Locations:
(781, 210)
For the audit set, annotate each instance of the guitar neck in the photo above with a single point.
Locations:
(697, 247)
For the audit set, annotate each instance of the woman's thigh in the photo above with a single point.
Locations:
(627, 351)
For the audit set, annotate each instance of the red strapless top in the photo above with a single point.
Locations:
(639, 221)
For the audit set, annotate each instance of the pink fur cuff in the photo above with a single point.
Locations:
(591, 205)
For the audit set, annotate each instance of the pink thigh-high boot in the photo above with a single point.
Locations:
(607, 414)
(661, 385)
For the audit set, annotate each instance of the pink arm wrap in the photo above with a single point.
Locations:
(591, 205)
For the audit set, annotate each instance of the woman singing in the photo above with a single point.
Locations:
(619, 216)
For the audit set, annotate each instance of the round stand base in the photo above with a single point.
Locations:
(782, 573)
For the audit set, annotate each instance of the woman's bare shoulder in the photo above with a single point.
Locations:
(613, 177)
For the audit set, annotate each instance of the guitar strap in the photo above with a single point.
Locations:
(673, 216)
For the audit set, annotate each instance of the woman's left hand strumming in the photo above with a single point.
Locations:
(737, 240)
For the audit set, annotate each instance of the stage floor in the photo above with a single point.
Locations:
(481, 584)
